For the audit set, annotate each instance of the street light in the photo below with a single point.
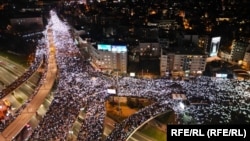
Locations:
(117, 92)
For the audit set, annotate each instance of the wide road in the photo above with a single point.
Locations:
(17, 125)
(10, 71)
(18, 96)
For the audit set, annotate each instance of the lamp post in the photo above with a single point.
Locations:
(117, 91)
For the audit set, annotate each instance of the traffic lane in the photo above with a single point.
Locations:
(8, 61)
(12, 66)
(12, 69)
(15, 68)
(6, 77)
(20, 95)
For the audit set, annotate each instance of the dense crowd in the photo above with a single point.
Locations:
(124, 129)
(77, 82)
(209, 101)
(80, 85)
(92, 126)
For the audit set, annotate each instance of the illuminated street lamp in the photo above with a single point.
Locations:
(117, 92)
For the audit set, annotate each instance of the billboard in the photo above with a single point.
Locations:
(118, 48)
(215, 44)
(221, 75)
(113, 48)
(104, 47)
(132, 74)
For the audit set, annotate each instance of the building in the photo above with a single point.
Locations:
(168, 25)
(149, 49)
(182, 63)
(239, 50)
(192, 38)
(203, 42)
(224, 55)
(166, 33)
(246, 60)
(26, 23)
(109, 58)
(164, 42)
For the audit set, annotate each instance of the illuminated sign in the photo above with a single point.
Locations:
(221, 75)
(113, 48)
(119, 49)
(111, 91)
(104, 47)
(132, 74)
(215, 43)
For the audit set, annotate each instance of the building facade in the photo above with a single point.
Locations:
(246, 60)
(226, 56)
(203, 42)
(27, 22)
(239, 50)
(151, 49)
(109, 58)
(182, 64)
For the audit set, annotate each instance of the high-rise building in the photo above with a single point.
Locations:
(246, 59)
(239, 50)
(149, 49)
(203, 43)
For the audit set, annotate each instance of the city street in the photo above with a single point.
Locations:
(30, 110)
(9, 72)
(123, 70)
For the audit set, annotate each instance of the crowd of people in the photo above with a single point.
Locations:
(92, 127)
(122, 130)
(77, 82)
(226, 101)
(80, 85)
(209, 101)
